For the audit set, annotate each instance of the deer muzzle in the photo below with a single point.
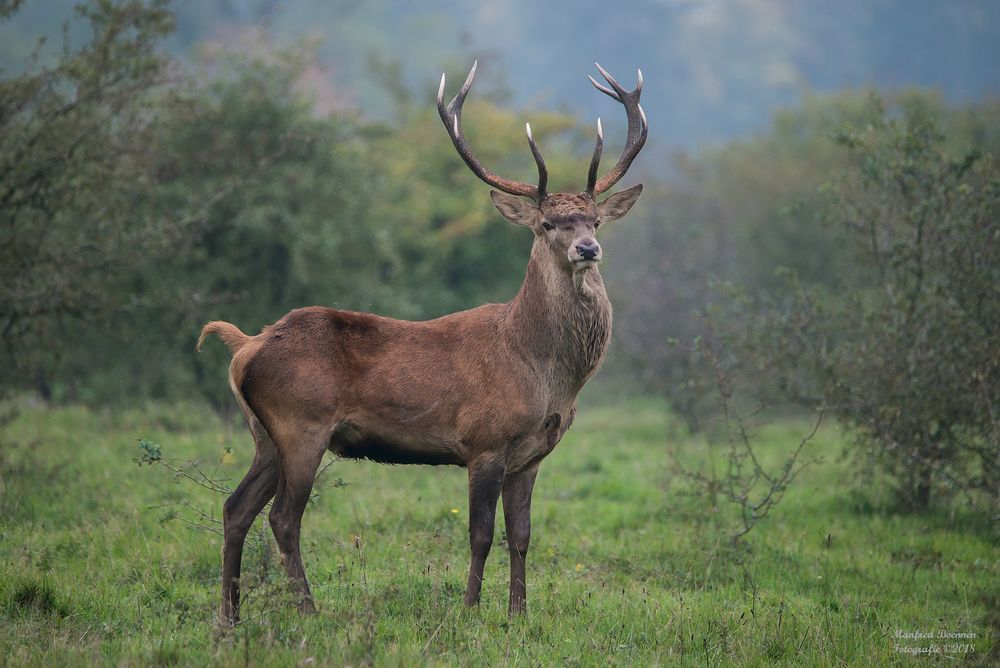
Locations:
(585, 252)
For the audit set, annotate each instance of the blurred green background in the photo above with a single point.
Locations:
(819, 225)
(819, 235)
(166, 164)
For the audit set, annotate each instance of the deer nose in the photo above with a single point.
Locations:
(588, 250)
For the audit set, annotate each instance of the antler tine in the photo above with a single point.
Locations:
(543, 172)
(611, 80)
(596, 160)
(451, 115)
(638, 129)
(604, 89)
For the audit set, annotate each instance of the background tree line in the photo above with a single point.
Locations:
(845, 257)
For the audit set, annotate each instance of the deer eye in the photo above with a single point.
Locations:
(547, 226)
(597, 224)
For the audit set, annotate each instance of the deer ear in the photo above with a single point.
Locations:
(618, 204)
(514, 209)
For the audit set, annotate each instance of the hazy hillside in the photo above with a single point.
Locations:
(714, 69)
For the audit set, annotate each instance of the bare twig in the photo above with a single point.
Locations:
(740, 481)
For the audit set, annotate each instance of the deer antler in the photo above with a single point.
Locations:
(637, 131)
(451, 116)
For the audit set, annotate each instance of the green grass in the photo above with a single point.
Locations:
(625, 568)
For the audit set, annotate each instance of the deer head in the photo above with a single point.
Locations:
(566, 223)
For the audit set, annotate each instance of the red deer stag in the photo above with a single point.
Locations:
(492, 389)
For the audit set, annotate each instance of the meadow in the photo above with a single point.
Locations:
(101, 562)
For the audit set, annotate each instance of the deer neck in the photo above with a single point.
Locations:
(559, 320)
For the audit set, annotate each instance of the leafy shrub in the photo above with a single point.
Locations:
(904, 347)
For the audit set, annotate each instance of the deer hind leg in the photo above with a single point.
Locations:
(300, 458)
(485, 480)
(517, 488)
(238, 514)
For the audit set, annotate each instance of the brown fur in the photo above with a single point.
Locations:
(562, 206)
(229, 333)
(492, 389)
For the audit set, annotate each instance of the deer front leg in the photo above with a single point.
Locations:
(486, 476)
(517, 489)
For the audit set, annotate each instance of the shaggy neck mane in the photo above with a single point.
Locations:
(559, 321)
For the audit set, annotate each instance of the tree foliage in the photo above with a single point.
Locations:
(72, 176)
(905, 348)
(734, 222)
(847, 258)
(142, 198)
(153, 203)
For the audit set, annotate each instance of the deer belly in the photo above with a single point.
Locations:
(353, 442)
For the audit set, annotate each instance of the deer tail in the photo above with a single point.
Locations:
(228, 332)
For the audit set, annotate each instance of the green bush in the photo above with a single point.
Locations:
(904, 346)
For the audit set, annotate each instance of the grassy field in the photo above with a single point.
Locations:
(624, 568)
